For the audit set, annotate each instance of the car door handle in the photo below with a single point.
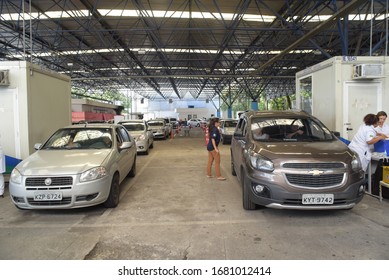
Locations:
(349, 128)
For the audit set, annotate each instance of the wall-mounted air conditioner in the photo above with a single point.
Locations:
(368, 71)
(4, 81)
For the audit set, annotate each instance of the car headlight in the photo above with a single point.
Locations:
(141, 137)
(260, 163)
(93, 174)
(356, 164)
(16, 177)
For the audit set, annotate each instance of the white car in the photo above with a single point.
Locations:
(159, 128)
(227, 128)
(78, 166)
(144, 137)
(196, 122)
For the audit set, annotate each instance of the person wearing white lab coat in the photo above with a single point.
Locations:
(366, 136)
(382, 127)
(2, 170)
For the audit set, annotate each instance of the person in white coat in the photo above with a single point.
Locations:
(366, 136)
(2, 170)
(382, 127)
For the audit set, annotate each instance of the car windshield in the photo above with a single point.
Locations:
(80, 138)
(155, 123)
(230, 123)
(134, 126)
(289, 129)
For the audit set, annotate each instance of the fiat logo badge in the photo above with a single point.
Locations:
(48, 181)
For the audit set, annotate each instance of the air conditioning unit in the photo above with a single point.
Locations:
(368, 71)
(4, 81)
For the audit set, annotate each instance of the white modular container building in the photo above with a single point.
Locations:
(34, 102)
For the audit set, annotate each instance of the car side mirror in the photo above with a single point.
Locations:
(37, 146)
(336, 133)
(125, 145)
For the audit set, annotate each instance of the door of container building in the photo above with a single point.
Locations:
(9, 123)
(360, 99)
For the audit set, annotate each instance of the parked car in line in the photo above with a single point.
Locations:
(159, 128)
(290, 160)
(78, 166)
(174, 122)
(227, 128)
(144, 137)
(169, 125)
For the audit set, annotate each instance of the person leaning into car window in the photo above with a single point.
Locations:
(366, 136)
(213, 150)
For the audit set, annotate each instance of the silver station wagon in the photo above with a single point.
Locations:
(78, 166)
(290, 160)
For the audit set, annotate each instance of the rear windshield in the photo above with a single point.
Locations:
(155, 123)
(289, 129)
(134, 126)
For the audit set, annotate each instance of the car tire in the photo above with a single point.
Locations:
(147, 151)
(114, 193)
(152, 145)
(247, 203)
(132, 172)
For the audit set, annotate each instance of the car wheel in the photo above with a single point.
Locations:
(114, 193)
(133, 169)
(147, 150)
(247, 203)
(152, 145)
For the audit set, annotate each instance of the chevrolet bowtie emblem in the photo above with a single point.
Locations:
(316, 172)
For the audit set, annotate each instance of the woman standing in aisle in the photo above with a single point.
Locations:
(366, 136)
(213, 150)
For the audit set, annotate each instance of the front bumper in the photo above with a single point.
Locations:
(280, 198)
(77, 195)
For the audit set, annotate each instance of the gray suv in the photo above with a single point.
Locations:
(290, 160)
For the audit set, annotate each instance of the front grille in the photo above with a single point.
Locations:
(311, 181)
(318, 165)
(55, 181)
(64, 201)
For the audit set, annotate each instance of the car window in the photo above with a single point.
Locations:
(80, 138)
(156, 123)
(123, 135)
(230, 123)
(134, 126)
(289, 129)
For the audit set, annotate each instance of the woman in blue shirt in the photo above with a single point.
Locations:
(212, 147)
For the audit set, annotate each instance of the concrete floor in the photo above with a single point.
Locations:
(170, 210)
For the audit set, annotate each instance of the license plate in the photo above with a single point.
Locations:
(44, 196)
(318, 199)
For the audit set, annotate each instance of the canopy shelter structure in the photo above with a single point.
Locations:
(194, 49)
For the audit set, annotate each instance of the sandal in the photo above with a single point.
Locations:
(221, 178)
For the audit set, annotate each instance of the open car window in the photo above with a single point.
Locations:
(289, 129)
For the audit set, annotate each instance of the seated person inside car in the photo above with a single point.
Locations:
(259, 135)
(295, 132)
